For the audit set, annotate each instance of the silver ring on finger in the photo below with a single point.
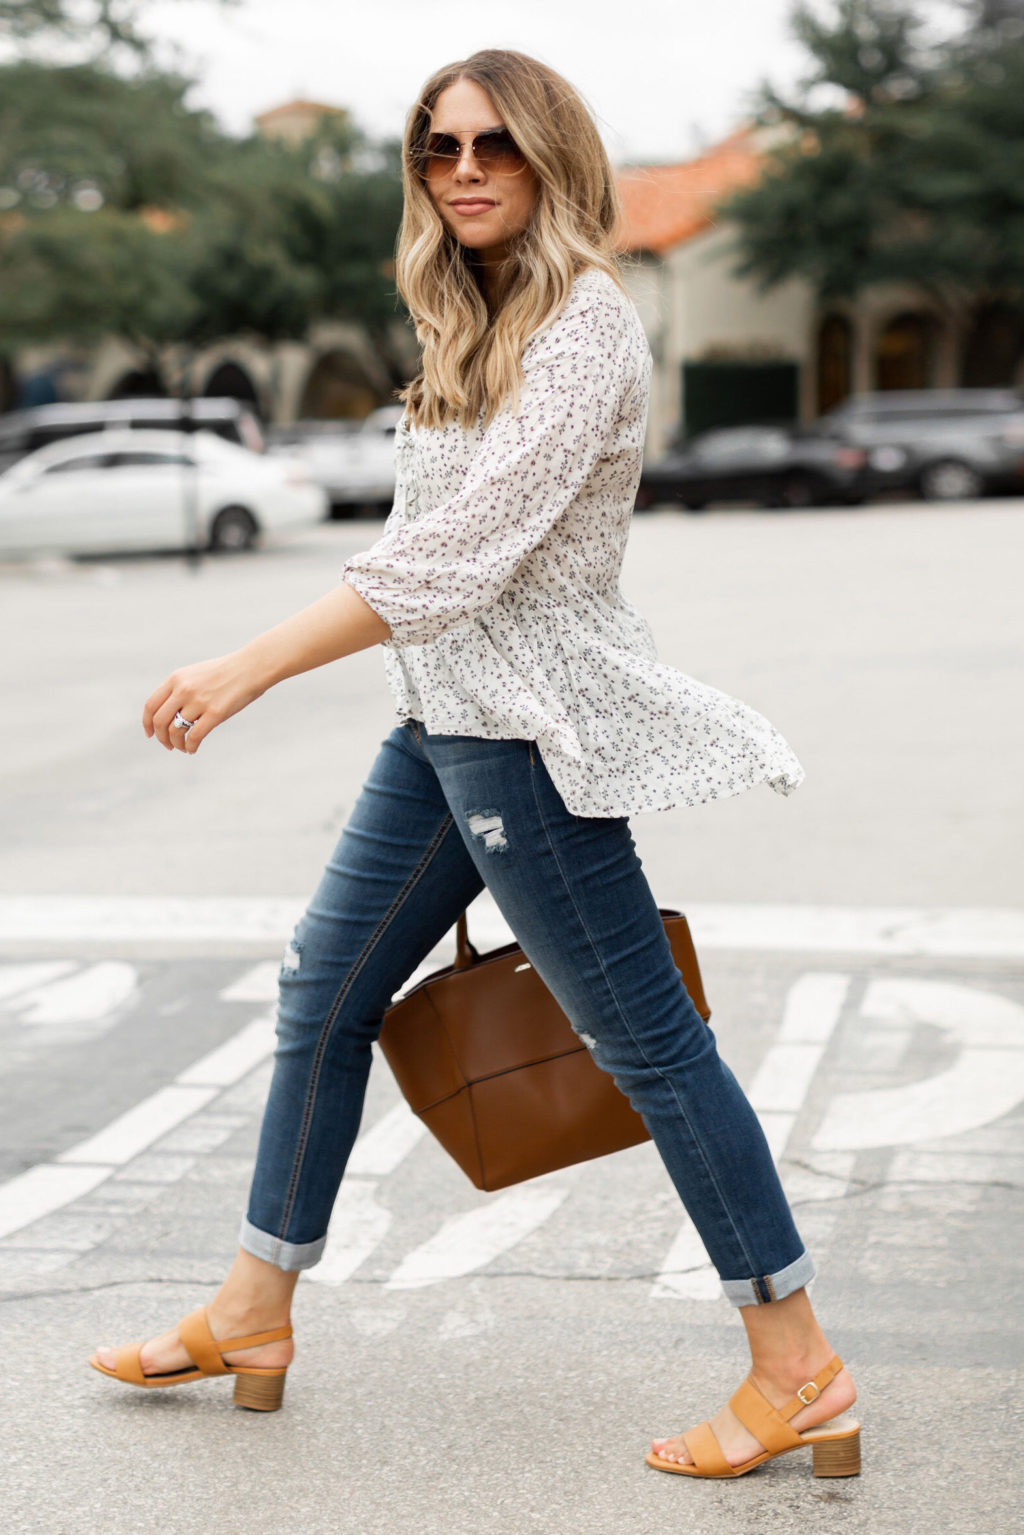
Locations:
(182, 723)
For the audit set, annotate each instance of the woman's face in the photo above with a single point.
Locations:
(484, 205)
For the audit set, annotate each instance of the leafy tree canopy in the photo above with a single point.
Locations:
(124, 210)
(900, 157)
(85, 137)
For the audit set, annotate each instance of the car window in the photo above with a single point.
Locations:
(73, 465)
(139, 458)
(42, 436)
(746, 444)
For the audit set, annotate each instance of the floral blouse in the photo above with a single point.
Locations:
(498, 575)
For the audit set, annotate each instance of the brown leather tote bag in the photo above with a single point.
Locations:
(488, 1060)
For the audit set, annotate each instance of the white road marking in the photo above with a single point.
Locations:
(257, 985)
(204, 922)
(471, 1241)
(137, 1129)
(985, 1081)
(948, 932)
(812, 1010)
(685, 1272)
(379, 1150)
(20, 978)
(43, 1189)
(194, 920)
(87, 996)
(358, 1225)
(49, 1186)
(235, 1058)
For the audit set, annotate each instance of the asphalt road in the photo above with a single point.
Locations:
(495, 1364)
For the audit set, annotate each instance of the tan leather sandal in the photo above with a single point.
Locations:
(835, 1445)
(261, 1390)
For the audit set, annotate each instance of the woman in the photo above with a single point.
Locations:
(534, 720)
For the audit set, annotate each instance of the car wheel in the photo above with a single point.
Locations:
(950, 480)
(644, 499)
(797, 491)
(233, 529)
(694, 506)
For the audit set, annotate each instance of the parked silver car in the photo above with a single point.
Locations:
(945, 444)
(23, 431)
(125, 490)
(354, 462)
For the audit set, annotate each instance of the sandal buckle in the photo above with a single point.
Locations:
(810, 1386)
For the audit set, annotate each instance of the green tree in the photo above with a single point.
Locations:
(84, 136)
(124, 211)
(900, 158)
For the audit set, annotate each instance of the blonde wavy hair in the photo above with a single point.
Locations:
(471, 356)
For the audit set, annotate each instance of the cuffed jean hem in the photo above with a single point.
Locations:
(757, 1292)
(283, 1255)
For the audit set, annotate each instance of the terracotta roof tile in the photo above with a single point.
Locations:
(664, 205)
(287, 108)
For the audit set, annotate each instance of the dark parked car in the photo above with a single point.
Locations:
(770, 465)
(943, 444)
(23, 431)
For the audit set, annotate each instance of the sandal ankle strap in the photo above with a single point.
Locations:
(770, 1425)
(811, 1391)
(275, 1335)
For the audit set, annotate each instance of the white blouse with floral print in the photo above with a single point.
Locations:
(498, 575)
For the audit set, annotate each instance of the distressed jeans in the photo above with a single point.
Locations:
(439, 818)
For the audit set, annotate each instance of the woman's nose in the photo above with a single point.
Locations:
(466, 164)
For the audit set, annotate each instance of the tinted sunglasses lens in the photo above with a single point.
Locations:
(440, 153)
(499, 152)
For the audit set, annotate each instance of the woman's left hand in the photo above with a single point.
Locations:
(204, 696)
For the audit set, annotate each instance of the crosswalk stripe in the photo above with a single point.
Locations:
(137, 1129)
(235, 1058)
(201, 922)
(17, 979)
(43, 1189)
(471, 1241)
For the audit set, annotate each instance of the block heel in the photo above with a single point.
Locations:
(837, 1457)
(264, 1392)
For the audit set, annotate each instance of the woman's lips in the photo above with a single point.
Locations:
(470, 205)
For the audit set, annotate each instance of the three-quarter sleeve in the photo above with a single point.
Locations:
(445, 566)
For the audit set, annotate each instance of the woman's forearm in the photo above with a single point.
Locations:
(196, 699)
(337, 624)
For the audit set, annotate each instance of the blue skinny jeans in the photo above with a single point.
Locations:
(439, 818)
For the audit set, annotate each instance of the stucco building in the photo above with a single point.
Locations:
(724, 350)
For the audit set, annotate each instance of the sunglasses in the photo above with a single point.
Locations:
(496, 150)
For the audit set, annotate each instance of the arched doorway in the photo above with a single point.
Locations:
(905, 352)
(138, 384)
(835, 361)
(337, 389)
(231, 381)
(994, 348)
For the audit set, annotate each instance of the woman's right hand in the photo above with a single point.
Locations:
(210, 692)
(205, 694)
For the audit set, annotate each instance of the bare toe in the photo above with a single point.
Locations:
(671, 1449)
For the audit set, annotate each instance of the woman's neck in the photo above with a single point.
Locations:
(490, 270)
